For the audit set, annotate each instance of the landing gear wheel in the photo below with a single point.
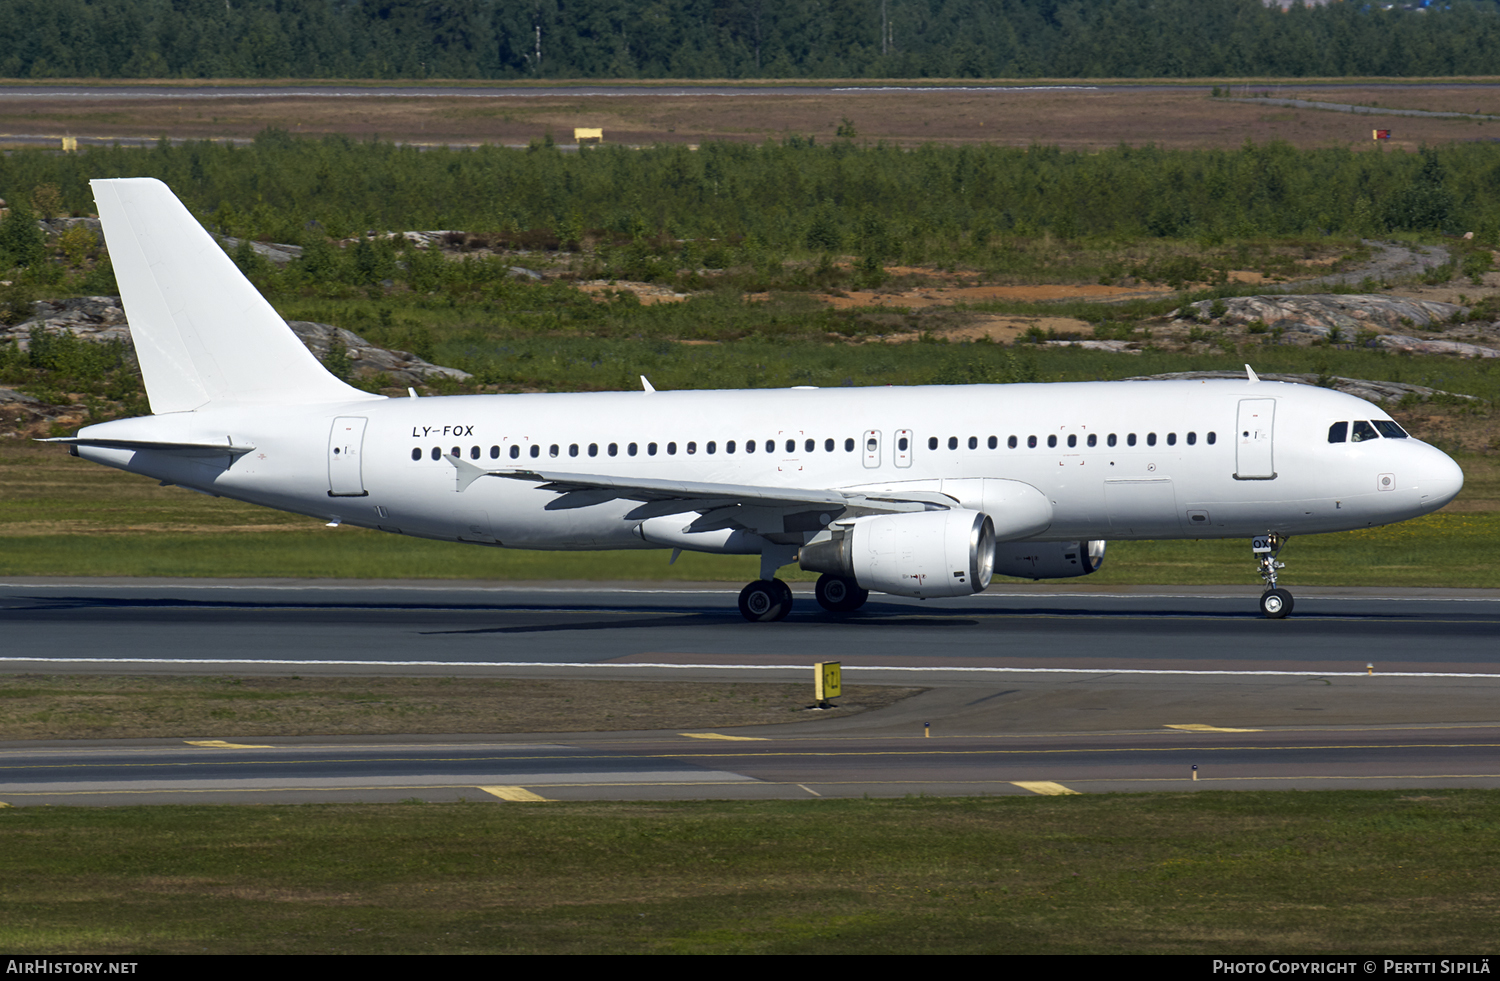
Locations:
(839, 595)
(765, 600)
(1275, 603)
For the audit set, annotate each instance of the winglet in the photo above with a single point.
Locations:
(1250, 375)
(646, 386)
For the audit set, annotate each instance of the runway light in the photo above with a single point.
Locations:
(1369, 669)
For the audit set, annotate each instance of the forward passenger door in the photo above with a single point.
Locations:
(1253, 457)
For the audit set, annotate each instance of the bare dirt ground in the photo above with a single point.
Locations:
(1076, 118)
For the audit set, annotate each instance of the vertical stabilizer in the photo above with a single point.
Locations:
(203, 334)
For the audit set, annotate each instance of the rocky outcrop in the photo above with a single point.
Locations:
(276, 253)
(9, 397)
(102, 318)
(1117, 347)
(402, 367)
(92, 318)
(1328, 314)
(1371, 391)
(1415, 345)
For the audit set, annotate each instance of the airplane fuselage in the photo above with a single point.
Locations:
(1116, 460)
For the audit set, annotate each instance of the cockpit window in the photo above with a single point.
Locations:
(1338, 432)
(1363, 431)
(1389, 429)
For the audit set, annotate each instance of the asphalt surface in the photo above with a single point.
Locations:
(1029, 689)
(417, 627)
(675, 766)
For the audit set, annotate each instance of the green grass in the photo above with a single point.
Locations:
(1440, 550)
(158, 707)
(1257, 872)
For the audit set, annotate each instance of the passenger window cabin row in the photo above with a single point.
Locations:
(1091, 440)
(534, 450)
(633, 449)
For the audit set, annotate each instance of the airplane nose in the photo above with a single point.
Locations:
(1441, 480)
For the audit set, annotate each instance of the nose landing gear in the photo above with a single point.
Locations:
(1275, 603)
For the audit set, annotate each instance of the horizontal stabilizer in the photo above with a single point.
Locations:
(232, 448)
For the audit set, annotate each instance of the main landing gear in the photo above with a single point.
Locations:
(839, 595)
(1275, 603)
(765, 600)
(771, 599)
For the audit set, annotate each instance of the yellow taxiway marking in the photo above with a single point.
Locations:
(512, 793)
(1200, 727)
(1174, 782)
(221, 744)
(720, 735)
(1046, 787)
(1079, 751)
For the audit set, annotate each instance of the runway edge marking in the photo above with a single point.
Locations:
(735, 667)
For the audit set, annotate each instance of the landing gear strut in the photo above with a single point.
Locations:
(1275, 603)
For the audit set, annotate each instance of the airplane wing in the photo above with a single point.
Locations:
(661, 497)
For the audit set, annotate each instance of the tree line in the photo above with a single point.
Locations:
(792, 194)
(698, 39)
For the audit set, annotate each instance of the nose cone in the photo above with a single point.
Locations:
(1440, 481)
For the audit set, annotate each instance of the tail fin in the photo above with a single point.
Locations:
(203, 334)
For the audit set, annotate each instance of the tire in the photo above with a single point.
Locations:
(839, 595)
(784, 598)
(1275, 604)
(765, 600)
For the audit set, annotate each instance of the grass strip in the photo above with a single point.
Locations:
(116, 707)
(1247, 872)
(1440, 550)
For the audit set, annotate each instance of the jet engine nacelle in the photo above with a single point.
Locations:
(922, 553)
(1048, 560)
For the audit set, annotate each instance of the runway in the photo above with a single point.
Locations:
(1029, 690)
(463, 627)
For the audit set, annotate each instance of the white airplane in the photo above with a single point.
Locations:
(917, 492)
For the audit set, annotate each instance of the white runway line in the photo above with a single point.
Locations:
(847, 669)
